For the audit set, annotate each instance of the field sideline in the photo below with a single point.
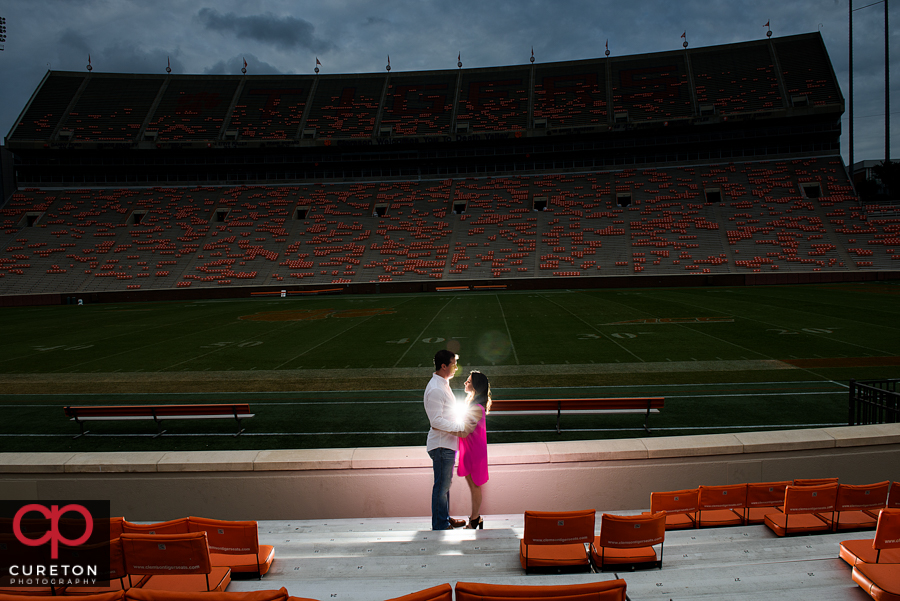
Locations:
(348, 370)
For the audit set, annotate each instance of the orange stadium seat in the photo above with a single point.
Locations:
(174, 562)
(722, 505)
(609, 590)
(176, 526)
(680, 507)
(855, 504)
(442, 592)
(764, 498)
(884, 548)
(556, 539)
(629, 540)
(235, 545)
(802, 505)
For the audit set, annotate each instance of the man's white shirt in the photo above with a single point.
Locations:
(439, 402)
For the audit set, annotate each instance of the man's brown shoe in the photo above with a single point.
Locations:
(454, 523)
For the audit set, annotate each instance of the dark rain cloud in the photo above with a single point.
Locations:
(285, 33)
(232, 66)
(117, 56)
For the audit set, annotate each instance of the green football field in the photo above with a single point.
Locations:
(346, 370)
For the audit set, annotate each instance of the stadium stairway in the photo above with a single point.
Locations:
(376, 559)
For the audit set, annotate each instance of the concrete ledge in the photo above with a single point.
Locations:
(791, 440)
(856, 436)
(34, 463)
(389, 457)
(600, 450)
(207, 461)
(114, 462)
(607, 475)
(693, 446)
(303, 459)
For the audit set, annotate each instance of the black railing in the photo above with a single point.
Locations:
(874, 402)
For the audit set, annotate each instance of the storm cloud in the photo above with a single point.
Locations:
(285, 33)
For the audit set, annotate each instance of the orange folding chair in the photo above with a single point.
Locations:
(764, 498)
(174, 562)
(177, 526)
(608, 590)
(556, 539)
(115, 576)
(814, 481)
(801, 504)
(722, 505)
(884, 548)
(629, 540)
(235, 545)
(854, 506)
(680, 507)
(443, 592)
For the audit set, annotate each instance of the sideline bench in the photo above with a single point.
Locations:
(645, 405)
(158, 413)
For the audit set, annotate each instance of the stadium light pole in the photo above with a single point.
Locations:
(887, 88)
(850, 107)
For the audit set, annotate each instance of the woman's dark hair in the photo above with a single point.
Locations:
(482, 387)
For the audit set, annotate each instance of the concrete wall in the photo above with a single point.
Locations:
(606, 475)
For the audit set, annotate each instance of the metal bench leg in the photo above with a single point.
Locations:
(83, 431)
(240, 429)
(558, 414)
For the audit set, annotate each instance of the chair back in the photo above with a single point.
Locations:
(766, 494)
(729, 496)
(810, 499)
(887, 532)
(166, 553)
(856, 497)
(441, 592)
(559, 527)
(675, 501)
(178, 526)
(629, 531)
(813, 481)
(608, 590)
(228, 537)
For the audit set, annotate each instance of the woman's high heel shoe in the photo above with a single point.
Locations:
(475, 523)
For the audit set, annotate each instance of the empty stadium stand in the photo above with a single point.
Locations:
(760, 217)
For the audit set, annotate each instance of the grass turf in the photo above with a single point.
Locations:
(336, 371)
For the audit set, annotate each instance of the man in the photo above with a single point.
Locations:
(443, 440)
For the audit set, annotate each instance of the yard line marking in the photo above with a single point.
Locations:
(508, 333)
(591, 326)
(423, 330)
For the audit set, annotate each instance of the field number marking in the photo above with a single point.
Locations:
(624, 335)
(588, 337)
(248, 344)
(807, 330)
(62, 347)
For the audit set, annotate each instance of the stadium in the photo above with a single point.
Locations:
(677, 225)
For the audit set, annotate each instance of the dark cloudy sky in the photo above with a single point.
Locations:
(350, 36)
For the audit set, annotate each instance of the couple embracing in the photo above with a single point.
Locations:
(455, 427)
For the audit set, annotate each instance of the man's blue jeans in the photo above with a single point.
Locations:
(442, 461)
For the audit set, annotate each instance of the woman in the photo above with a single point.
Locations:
(473, 442)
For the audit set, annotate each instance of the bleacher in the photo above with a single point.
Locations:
(785, 216)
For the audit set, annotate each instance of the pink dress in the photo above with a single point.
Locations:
(473, 453)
